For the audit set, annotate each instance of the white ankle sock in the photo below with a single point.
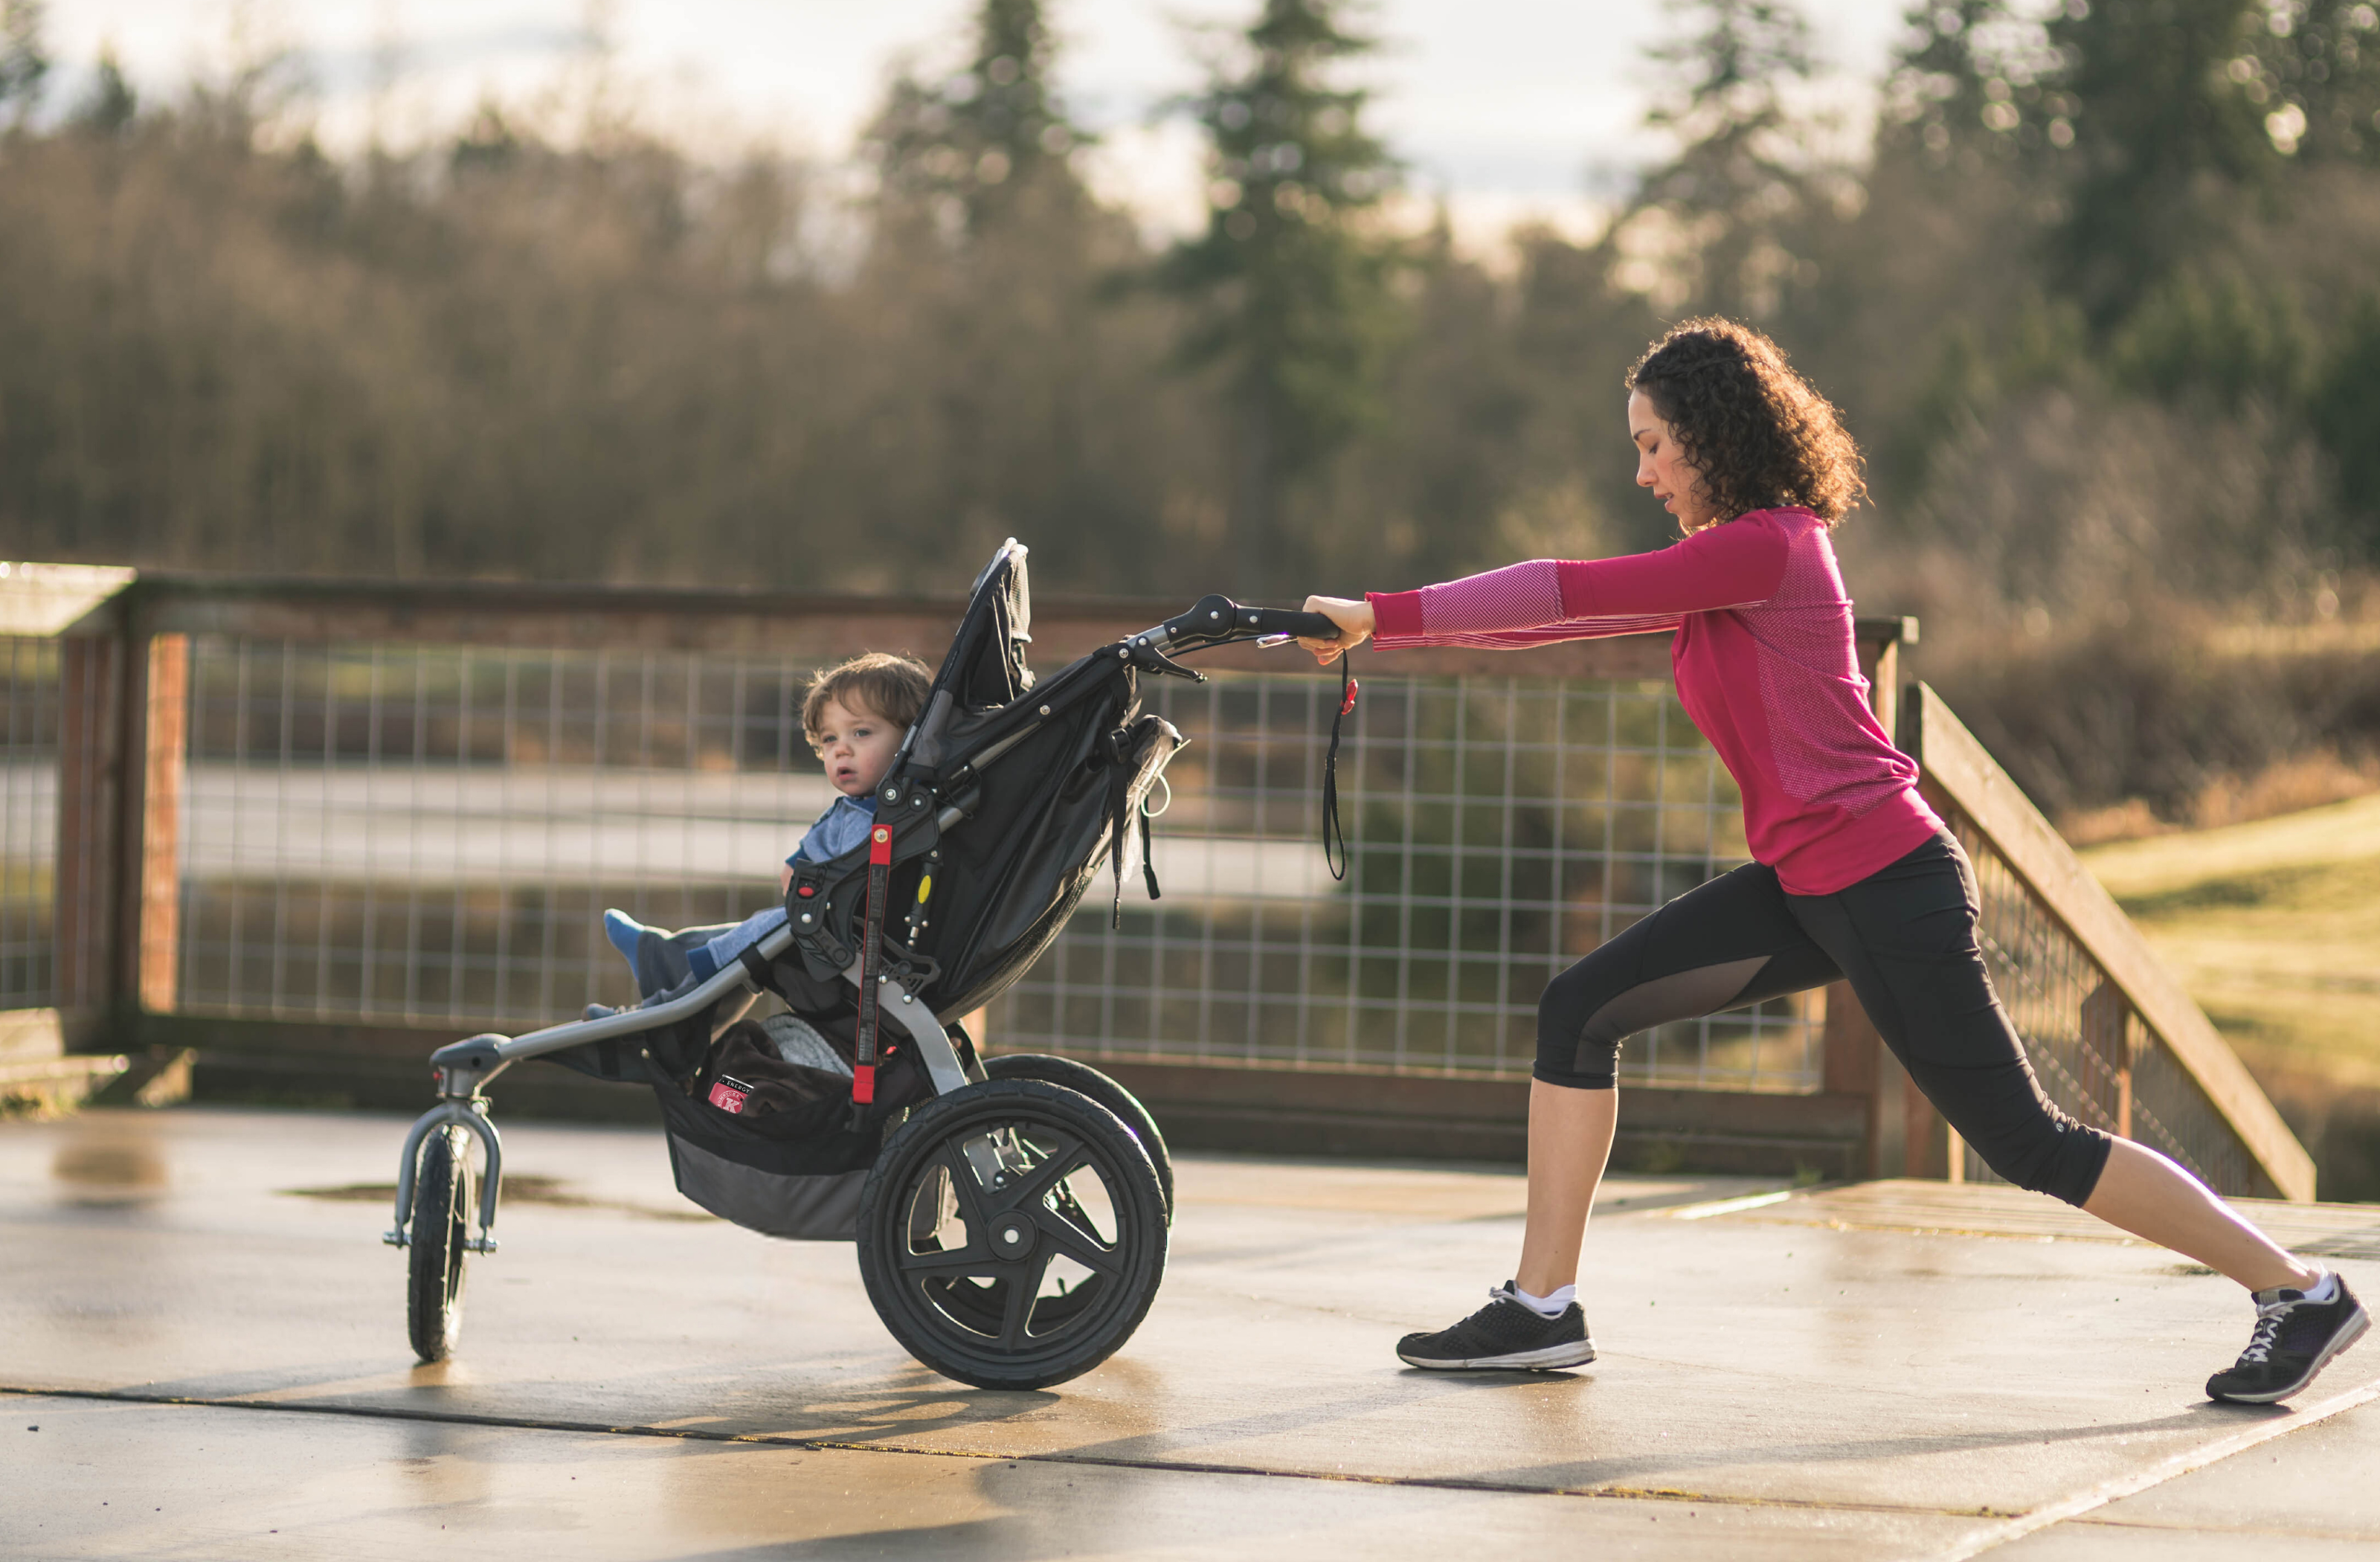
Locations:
(2324, 1289)
(1552, 1306)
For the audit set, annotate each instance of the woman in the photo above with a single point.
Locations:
(1854, 877)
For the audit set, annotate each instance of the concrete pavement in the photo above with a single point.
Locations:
(197, 1313)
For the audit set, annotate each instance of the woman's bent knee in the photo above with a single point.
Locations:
(2052, 1154)
(1566, 1054)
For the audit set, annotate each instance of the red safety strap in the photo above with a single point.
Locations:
(871, 960)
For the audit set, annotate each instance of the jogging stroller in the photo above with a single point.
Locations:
(1010, 1211)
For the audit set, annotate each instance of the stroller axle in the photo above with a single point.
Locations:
(472, 1115)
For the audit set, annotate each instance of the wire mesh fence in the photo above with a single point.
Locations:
(430, 834)
(350, 804)
(1498, 829)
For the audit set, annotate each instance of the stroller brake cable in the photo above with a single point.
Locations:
(1332, 830)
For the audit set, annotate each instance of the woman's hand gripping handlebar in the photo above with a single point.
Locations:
(1349, 624)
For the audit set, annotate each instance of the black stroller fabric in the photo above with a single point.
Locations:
(1053, 769)
(1050, 775)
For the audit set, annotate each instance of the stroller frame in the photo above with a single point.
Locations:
(463, 1069)
(1069, 1100)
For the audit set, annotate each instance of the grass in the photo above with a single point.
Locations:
(2274, 926)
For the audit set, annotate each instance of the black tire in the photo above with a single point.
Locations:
(1084, 1080)
(961, 1269)
(442, 1218)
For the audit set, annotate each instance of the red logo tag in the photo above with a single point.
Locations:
(729, 1095)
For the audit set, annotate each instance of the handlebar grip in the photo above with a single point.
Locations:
(1304, 626)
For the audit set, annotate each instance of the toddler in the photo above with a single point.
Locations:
(855, 715)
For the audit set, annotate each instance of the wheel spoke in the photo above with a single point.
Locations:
(1029, 1189)
(1079, 1242)
(1024, 1290)
(952, 1158)
(973, 1259)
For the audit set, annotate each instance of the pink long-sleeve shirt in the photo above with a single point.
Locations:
(1765, 664)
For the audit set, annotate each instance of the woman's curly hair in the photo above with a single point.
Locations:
(1758, 432)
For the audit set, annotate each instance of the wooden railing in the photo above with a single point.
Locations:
(2116, 1040)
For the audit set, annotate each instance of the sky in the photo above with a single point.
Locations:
(1505, 109)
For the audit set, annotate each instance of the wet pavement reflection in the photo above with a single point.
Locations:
(639, 1380)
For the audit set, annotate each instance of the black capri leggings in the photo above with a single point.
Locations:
(1905, 938)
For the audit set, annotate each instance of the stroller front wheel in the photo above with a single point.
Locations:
(1012, 1234)
(442, 1211)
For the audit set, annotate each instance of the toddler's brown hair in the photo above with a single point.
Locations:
(881, 683)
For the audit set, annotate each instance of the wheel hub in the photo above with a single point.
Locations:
(1012, 1235)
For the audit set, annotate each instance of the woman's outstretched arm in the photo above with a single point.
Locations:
(1736, 565)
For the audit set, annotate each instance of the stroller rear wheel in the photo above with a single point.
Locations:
(1084, 1080)
(1012, 1235)
(442, 1212)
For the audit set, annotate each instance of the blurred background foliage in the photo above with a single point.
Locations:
(2096, 295)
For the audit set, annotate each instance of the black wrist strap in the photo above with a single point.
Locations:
(1334, 834)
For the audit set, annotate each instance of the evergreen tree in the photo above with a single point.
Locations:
(1010, 364)
(1974, 78)
(2166, 137)
(2313, 68)
(2147, 121)
(1291, 281)
(985, 135)
(109, 106)
(1745, 175)
(2346, 410)
(22, 61)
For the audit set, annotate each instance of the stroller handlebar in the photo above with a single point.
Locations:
(1218, 621)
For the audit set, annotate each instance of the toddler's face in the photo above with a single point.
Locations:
(856, 746)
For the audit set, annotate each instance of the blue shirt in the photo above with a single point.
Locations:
(841, 827)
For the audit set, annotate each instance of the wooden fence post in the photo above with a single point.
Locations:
(129, 885)
(164, 735)
(2107, 1040)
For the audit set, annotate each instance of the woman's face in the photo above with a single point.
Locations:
(1661, 465)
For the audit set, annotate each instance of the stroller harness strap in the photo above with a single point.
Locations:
(871, 967)
(1126, 764)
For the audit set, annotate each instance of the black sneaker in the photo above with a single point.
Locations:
(1506, 1333)
(2294, 1339)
